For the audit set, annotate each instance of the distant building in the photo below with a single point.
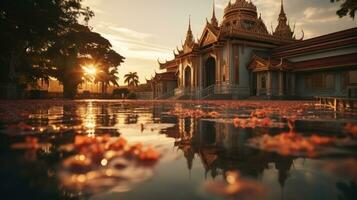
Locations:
(163, 83)
(240, 58)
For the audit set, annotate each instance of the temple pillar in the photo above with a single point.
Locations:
(219, 67)
(258, 83)
(269, 84)
(229, 63)
(216, 69)
(281, 83)
(200, 73)
(293, 80)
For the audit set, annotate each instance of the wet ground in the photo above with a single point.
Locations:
(205, 150)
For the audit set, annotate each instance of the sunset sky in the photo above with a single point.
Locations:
(145, 30)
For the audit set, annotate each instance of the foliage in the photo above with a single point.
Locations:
(108, 64)
(347, 7)
(41, 39)
(73, 49)
(27, 29)
(132, 79)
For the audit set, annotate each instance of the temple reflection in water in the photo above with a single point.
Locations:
(221, 147)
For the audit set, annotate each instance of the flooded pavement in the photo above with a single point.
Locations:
(176, 150)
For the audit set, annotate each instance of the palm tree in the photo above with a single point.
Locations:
(347, 7)
(132, 79)
(107, 77)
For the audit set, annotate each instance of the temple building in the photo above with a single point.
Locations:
(239, 58)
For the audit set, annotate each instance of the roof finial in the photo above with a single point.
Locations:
(189, 36)
(214, 20)
(214, 10)
(189, 22)
(282, 6)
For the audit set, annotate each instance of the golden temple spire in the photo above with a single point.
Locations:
(214, 20)
(189, 36)
(283, 30)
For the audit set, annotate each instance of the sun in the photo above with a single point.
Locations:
(90, 70)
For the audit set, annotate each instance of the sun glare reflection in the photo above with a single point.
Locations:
(89, 121)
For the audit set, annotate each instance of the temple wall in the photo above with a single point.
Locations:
(245, 56)
(275, 84)
(337, 89)
(225, 64)
(171, 85)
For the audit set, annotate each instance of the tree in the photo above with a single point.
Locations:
(73, 49)
(41, 39)
(107, 77)
(132, 79)
(108, 63)
(28, 28)
(347, 7)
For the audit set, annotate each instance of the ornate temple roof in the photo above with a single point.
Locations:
(263, 61)
(166, 76)
(240, 20)
(308, 46)
(240, 7)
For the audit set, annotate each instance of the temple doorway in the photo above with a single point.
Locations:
(210, 72)
(188, 76)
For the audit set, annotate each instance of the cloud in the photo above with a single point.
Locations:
(133, 44)
(221, 4)
(314, 14)
(130, 33)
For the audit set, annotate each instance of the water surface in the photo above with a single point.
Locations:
(193, 150)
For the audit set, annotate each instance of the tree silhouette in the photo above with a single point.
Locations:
(42, 39)
(108, 63)
(347, 7)
(75, 48)
(28, 28)
(132, 79)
